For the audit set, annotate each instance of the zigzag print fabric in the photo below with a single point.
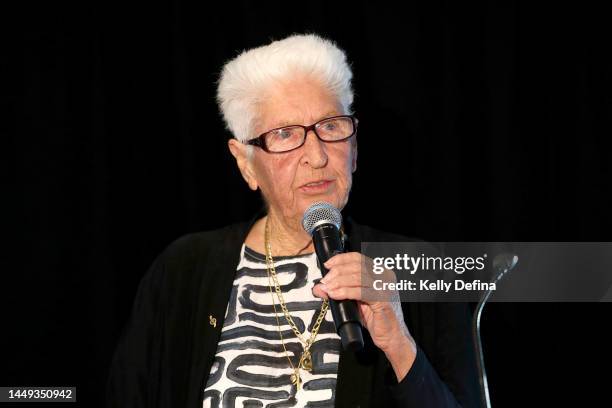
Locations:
(251, 368)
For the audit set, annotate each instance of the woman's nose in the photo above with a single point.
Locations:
(314, 151)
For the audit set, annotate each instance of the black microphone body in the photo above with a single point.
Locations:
(327, 243)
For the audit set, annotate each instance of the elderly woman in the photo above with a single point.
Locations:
(238, 317)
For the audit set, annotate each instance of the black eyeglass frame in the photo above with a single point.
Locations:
(260, 140)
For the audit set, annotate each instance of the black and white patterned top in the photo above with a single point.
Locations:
(251, 368)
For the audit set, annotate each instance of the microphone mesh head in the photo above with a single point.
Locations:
(321, 213)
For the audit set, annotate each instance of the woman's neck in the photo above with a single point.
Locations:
(287, 237)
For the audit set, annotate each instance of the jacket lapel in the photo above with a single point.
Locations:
(217, 274)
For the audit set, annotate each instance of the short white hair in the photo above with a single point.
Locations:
(244, 79)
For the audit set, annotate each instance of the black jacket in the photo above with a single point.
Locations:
(167, 348)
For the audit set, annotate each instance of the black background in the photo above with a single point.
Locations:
(478, 122)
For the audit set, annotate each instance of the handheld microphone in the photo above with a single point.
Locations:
(322, 221)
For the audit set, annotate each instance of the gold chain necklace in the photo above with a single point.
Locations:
(306, 359)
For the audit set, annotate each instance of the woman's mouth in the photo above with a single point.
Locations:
(316, 186)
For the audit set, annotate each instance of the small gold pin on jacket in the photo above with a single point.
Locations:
(212, 321)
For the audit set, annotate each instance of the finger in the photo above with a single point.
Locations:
(353, 280)
(319, 290)
(345, 292)
(356, 263)
(357, 293)
(348, 273)
(342, 258)
(344, 269)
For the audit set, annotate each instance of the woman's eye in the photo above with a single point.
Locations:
(330, 126)
(285, 133)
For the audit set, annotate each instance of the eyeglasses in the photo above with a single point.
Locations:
(284, 139)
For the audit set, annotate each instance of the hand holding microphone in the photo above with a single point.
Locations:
(342, 284)
(322, 221)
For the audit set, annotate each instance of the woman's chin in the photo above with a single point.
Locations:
(333, 199)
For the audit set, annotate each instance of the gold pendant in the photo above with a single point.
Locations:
(295, 378)
(306, 361)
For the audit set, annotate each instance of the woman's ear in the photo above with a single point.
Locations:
(245, 165)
